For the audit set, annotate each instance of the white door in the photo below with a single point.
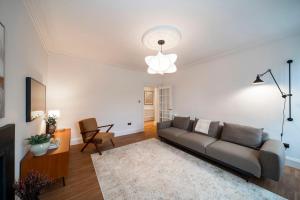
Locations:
(165, 103)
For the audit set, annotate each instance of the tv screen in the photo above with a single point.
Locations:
(35, 99)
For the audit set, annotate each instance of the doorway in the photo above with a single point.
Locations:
(157, 106)
(150, 106)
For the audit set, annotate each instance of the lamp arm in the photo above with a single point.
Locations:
(281, 92)
(262, 74)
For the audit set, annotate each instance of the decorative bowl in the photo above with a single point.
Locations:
(39, 149)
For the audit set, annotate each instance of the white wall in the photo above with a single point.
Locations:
(24, 57)
(222, 90)
(82, 88)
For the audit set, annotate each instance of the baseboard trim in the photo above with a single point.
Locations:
(293, 162)
(78, 140)
(128, 131)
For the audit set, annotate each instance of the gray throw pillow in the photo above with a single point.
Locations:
(242, 135)
(214, 128)
(265, 137)
(181, 122)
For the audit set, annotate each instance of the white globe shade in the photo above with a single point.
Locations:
(161, 63)
(172, 69)
(151, 71)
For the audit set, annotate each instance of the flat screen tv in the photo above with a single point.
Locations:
(35, 99)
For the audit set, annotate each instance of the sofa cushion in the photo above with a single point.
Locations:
(202, 126)
(194, 141)
(181, 122)
(244, 158)
(265, 137)
(214, 128)
(171, 133)
(243, 135)
(191, 125)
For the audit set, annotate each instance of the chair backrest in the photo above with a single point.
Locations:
(89, 124)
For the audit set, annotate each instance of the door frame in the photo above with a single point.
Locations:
(170, 109)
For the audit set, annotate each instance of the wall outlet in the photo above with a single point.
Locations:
(129, 123)
(286, 145)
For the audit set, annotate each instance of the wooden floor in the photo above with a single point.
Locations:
(82, 182)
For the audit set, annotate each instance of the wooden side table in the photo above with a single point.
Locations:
(55, 163)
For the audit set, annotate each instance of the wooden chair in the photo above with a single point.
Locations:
(90, 133)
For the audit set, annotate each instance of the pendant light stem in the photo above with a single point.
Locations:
(161, 42)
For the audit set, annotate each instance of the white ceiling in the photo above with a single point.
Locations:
(110, 31)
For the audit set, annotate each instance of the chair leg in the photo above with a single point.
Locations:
(84, 147)
(98, 150)
(112, 142)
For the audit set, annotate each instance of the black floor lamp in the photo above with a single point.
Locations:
(258, 80)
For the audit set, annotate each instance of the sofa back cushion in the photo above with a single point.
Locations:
(213, 130)
(242, 135)
(191, 126)
(265, 137)
(181, 122)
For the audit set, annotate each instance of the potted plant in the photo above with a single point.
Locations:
(50, 124)
(39, 144)
(29, 188)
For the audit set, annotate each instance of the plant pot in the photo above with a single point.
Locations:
(50, 129)
(39, 149)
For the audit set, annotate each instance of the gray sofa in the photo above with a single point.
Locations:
(242, 148)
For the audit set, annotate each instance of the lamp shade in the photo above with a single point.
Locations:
(54, 113)
(258, 80)
(161, 63)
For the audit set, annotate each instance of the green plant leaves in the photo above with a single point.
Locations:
(38, 139)
(51, 120)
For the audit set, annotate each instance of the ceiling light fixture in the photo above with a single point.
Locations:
(158, 38)
(161, 63)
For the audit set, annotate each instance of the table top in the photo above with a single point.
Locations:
(64, 135)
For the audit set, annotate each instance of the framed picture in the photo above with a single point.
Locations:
(148, 97)
(2, 67)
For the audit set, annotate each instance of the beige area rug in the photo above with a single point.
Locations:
(154, 170)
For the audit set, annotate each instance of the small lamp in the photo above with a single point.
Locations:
(258, 80)
(54, 113)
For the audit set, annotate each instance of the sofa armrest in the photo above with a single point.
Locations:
(165, 124)
(272, 159)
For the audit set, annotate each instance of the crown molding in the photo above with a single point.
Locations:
(242, 48)
(93, 60)
(200, 61)
(35, 12)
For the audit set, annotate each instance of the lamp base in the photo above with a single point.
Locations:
(290, 119)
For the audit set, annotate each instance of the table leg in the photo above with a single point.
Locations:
(64, 182)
